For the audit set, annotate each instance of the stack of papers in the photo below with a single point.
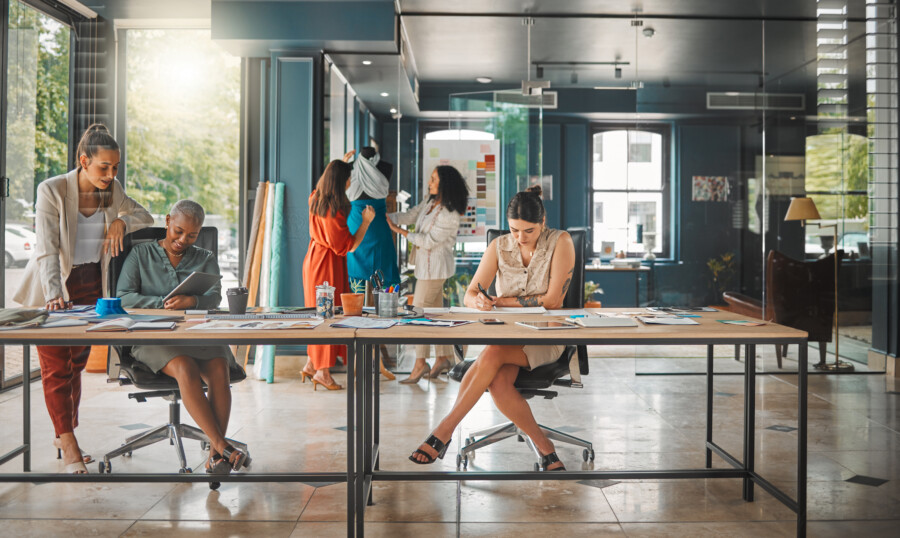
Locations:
(435, 322)
(666, 320)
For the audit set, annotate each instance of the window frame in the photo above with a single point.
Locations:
(665, 131)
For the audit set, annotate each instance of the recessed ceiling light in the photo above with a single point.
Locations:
(484, 80)
(384, 94)
(393, 111)
(367, 62)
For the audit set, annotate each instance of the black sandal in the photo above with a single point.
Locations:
(439, 446)
(241, 459)
(549, 460)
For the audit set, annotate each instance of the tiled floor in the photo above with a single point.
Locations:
(635, 418)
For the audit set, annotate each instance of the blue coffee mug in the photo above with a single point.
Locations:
(107, 306)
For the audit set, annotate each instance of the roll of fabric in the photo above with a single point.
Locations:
(265, 268)
(256, 264)
(267, 367)
(258, 206)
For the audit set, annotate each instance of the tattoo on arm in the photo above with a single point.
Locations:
(531, 300)
(565, 288)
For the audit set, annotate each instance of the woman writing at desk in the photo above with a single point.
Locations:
(151, 271)
(533, 266)
(81, 219)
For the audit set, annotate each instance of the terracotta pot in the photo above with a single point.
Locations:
(352, 303)
(592, 304)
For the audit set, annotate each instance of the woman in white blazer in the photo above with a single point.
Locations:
(437, 223)
(81, 220)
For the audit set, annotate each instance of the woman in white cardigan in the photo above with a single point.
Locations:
(437, 222)
(81, 220)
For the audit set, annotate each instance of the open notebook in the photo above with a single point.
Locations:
(128, 324)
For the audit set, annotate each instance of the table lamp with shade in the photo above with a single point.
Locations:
(804, 209)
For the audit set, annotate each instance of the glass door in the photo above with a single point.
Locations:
(35, 144)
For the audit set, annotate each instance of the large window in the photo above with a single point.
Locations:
(629, 199)
(183, 110)
(36, 141)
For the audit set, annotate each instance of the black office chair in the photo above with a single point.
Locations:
(132, 372)
(536, 382)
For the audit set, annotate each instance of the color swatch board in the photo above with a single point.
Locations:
(479, 163)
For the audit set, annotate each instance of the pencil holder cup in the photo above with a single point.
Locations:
(237, 300)
(386, 304)
(111, 305)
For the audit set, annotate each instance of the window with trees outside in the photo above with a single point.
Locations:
(36, 143)
(630, 190)
(183, 131)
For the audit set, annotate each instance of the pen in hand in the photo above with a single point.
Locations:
(485, 293)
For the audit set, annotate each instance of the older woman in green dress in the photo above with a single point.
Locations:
(152, 270)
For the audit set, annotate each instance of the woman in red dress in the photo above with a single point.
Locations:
(326, 258)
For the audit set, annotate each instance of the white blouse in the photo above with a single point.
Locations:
(89, 238)
(435, 238)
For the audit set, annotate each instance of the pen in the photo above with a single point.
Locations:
(481, 289)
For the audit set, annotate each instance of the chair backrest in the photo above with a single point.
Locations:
(575, 296)
(208, 238)
(801, 293)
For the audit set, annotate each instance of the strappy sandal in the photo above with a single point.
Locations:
(549, 460)
(439, 446)
(240, 458)
(217, 465)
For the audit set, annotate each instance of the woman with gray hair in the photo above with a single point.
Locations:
(152, 270)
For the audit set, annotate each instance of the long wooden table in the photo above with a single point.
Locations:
(323, 334)
(709, 332)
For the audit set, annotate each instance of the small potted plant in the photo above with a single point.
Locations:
(353, 302)
(591, 289)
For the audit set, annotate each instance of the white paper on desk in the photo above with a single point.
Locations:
(62, 322)
(436, 310)
(360, 322)
(499, 310)
(568, 312)
(650, 320)
(256, 325)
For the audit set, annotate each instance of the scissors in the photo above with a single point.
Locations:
(378, 279)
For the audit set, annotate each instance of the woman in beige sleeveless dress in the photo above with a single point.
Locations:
(533, 266)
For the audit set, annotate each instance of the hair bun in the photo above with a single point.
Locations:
(534, 189)
(97, 128)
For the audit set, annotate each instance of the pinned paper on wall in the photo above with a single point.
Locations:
(710, 189)
(478, 162)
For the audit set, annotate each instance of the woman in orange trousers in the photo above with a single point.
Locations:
(326, 258)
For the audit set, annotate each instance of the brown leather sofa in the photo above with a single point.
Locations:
(799, 294)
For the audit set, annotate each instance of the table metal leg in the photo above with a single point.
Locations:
(26, 407)
(361, 433)
(352, 476)
(371, 388)
(801, 438)
(376, 399)
(709, 404)
(749, 418)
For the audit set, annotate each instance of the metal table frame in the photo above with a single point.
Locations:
(82, 338)
(367, 407)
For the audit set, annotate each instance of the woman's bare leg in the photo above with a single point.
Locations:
(511, 403)
(186, 372)
(479, 377)
(218, 380)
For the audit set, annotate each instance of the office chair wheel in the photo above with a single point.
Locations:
(588, 454)
(184, 470)
(462, 461)
(105, 467)
(537, 466)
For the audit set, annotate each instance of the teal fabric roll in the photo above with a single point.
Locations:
(268, 366)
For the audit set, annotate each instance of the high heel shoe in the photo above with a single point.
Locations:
(385, 372)
(439, 446)
(413, 380)
(86, 458)
(236, 458)
(304, 375)
(217, 465)
(332, 386)
(436, 370)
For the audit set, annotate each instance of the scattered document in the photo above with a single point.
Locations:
(681, 309)
(500, 310)
(666, 320)
(436, 310)
(568, 312)
(128, 324)
(55, 323)
(359, 322)
(606, 321)
(436, 322)
(545, 325)
(256, 325)
(744, 322)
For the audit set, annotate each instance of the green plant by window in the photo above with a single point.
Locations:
(723, 270)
